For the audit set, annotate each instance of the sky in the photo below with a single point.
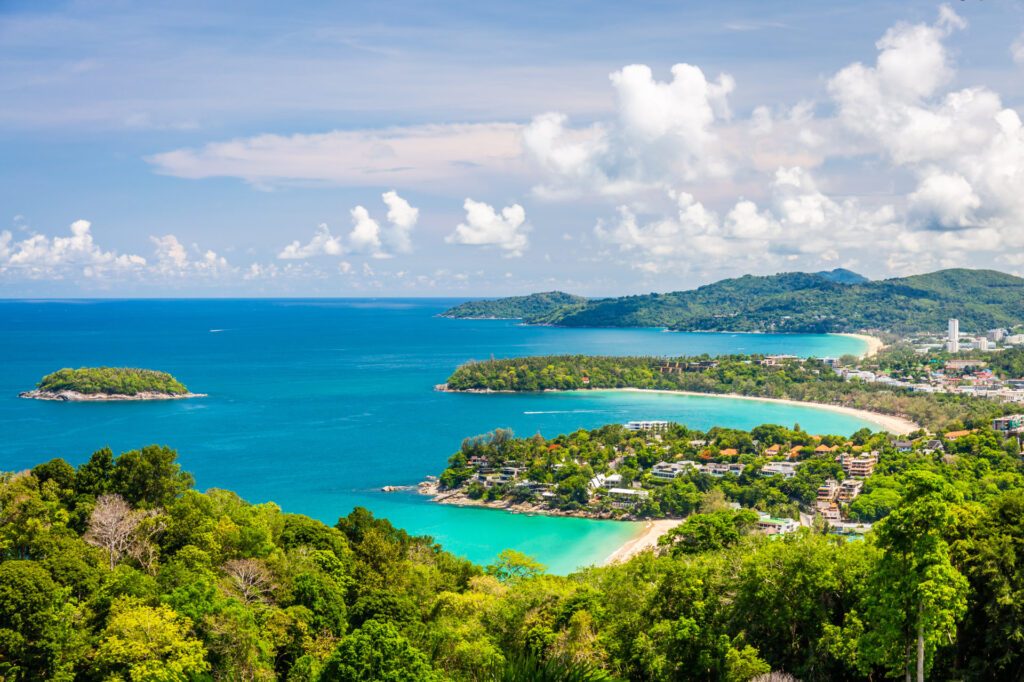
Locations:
(483, 149)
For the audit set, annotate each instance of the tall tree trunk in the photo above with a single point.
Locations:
(920, 645)
(908, 658)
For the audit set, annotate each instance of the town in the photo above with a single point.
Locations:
(660, 469)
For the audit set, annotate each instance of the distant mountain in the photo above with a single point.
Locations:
(836, 301)
(516, 307)
(843, 276)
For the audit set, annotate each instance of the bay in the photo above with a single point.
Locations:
(316, 404)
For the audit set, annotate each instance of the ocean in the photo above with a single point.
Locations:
(316, 404)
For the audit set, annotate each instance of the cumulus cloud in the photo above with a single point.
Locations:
(41, 256)
(172, 259)
(663, 134)
(486, 227)
(367, 236)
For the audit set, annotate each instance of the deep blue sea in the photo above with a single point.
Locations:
(316, 404)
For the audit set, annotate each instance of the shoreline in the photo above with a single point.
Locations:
(76, 397)
(874, 343)
(647, 538)
(899, 426)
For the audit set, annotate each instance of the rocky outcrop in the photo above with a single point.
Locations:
(75, 396)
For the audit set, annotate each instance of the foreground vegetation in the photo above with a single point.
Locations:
(118, 570)
(793, 302)
(808, 380)
(111, 381)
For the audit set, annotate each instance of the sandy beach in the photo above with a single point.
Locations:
(875, 344)
(642, 541)
(897, 425)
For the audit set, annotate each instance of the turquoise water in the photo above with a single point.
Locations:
(317, 404)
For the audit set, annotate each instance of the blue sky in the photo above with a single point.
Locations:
(159, 149)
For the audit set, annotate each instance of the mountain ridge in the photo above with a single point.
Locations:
(795, 302)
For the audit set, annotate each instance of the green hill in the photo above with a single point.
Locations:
(516, 307)
(833, 301)
(111, 381)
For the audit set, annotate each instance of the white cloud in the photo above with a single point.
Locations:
(41, 256)
(322, 243)
(664, 134)
(367, 236)
(172, 259)
(485, 227)
(428, 155)
(1017, 49)
(402, 217)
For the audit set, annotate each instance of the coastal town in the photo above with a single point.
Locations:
(658, 469)
(956, 363)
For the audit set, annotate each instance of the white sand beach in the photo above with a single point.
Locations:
(897, 425)
(875, 344)
(646, 539)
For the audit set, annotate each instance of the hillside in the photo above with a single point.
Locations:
(516, 307)
(805, 302)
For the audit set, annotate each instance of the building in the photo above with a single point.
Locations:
(718, 469)
(666, 471)
(1012, 423)
(773, 526)
(657, 426)
(953, 336)
(860, 466)
(849, 489)
(627, 497)
(996, 335)
(773, 360)
(828, 490)
(981, 343)
(605, 481)
(784, 469)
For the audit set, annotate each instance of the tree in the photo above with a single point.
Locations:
(150, 477)
(250, 579)
(149, 643)
(512, 566)
(915, 596)
(121, 530)
(377, 652)
(30, 606)
(709, 532)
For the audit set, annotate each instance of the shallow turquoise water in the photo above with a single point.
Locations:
(316, 404)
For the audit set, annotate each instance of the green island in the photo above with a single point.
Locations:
(108, 383)
(808, 380)
(795, 302)
(117, 569)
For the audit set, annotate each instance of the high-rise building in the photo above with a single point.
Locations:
(953, 337)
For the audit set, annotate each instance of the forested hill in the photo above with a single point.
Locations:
(516, 307)
(797, 302)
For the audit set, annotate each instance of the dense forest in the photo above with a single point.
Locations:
(119, 570)
(111, 381)
(515, 307)
(565, 468)
(808, 380)
(797, 302)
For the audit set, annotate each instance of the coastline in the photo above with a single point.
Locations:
(874, 343)
(899, 426)
(647, 538)
(76, 397)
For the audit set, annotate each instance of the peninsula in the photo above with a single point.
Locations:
(97, 384)
(792, 302)
(826, 382)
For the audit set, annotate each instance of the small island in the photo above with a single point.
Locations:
(109, 384)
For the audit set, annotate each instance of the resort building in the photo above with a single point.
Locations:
(828, 490)
(655, 426)
(773, 526)
(627, 497)
(849, 489)
(666, 471)
(1013, 423)
(718, 469)
(860, 466)
(784, 469)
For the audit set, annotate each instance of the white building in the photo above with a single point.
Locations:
(657, 426)
(953, 336)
